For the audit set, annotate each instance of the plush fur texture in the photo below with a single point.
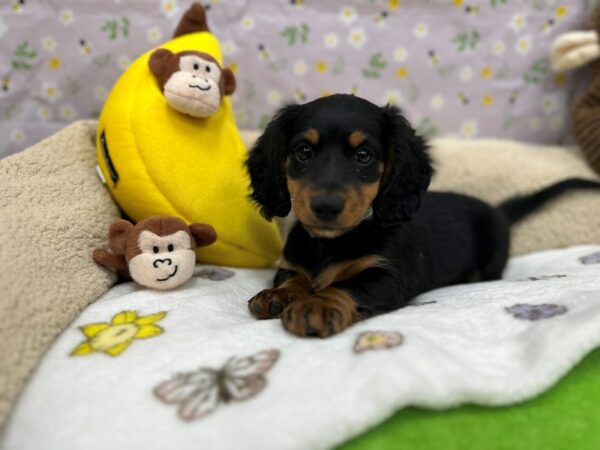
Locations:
(395, 243)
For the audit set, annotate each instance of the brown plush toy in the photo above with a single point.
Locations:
(572, 50)
(157, 252)
(192, 82)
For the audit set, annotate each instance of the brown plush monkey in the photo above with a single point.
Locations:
(193, 82)
(157, 253)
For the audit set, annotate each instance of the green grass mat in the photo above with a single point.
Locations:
(567, 417)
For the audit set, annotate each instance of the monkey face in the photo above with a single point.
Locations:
(193, 82)
(194, 88)
(165, 262)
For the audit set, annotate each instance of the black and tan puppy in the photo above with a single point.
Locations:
(368, 238)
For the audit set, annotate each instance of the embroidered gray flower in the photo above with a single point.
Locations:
(215, 273)
(536, 312)
(593, 258)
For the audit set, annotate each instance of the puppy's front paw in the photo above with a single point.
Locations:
(270, 303)
(318, 316)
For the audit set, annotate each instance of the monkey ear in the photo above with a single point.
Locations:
(407, 172)
(118, 234)
(203, 234)
(158, 62)
(228, 81)
(266, 165)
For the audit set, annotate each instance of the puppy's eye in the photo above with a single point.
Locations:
(170, 247)
(304, 153)
(155, 249)
(196, 66)
(363, 156)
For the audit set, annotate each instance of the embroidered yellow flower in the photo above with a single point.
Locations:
(560, 79)
(401, 73)
(54, 63)
(326, 93)
(114, 337)
(321, 67)
(457, 3)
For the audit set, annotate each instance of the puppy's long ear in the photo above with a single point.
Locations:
(266, 164)
(406, 175)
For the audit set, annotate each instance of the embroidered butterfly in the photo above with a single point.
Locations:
(200, 392)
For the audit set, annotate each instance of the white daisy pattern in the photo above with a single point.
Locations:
(124, 61)
(498, 48)
(169, 8)
(50, 91)
(17, 136)
(348, 15)
(229, 48)
(49, 43)
(100, 92)
(154, 34)
(300, 67)
(549, 103)
(331, 41)
(518, 22)
(536, 123)
(67, 112)
(469, 128)
(392, 97)
(421, 30)
(524, 45)
(466, 73)
(274, 98)
(248, 23)
(357, 38)
(437, 102)
(66, 17)
(45, 113)
(400, 54)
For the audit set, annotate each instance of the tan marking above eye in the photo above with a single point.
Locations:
(356, 138)
(312, 136)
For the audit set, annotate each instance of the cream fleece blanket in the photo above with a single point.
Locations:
(54, 211)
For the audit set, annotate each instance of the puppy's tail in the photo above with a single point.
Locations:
(517, 208)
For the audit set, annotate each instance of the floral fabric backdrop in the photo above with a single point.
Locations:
(471, 68)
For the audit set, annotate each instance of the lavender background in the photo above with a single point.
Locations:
(470, 68)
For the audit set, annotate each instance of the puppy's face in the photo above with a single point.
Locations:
(336, 159)
(334, 164)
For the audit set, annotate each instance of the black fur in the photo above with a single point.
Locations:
(427, 240)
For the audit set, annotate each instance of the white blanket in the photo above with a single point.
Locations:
(191, 368)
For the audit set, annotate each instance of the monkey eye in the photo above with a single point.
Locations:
(196, 66)
(170, 247)
(208, 68)
(155, 249)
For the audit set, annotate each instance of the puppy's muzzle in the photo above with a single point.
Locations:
(327, 208)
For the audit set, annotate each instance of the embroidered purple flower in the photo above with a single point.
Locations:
(215, 274)
(377, 340)
(200, 392)
(536, 312)
(593, 258)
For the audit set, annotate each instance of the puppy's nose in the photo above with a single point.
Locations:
(327, 207)
(158, 262)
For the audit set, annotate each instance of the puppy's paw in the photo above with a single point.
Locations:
(270, 303)
(318, 316)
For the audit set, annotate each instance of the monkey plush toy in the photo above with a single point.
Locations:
(157, 253)
(168, 145)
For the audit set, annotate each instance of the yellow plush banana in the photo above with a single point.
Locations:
(168, 145)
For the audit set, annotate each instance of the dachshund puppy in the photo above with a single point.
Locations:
(368, 238)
